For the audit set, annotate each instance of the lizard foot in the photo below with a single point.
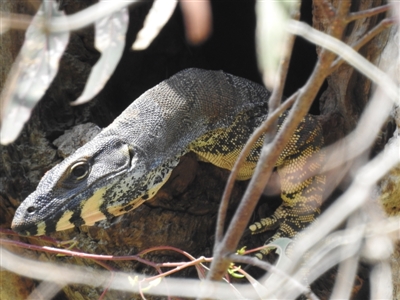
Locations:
(288, 222)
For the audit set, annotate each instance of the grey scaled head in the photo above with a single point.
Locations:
(72, 192)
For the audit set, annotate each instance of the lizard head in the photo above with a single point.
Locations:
(88, 186)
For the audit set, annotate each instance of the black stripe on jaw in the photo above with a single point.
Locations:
(51, 226)
(30, 231)
(76, 217)
(104, 209)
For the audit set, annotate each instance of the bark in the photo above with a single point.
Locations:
(183, 214)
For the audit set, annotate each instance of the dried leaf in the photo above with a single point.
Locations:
(158, 15)
(110, 41)
(32, 72)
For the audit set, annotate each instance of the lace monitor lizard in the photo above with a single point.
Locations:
(211, 113)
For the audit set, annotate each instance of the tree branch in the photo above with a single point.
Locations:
(367, 13)
(270, 154)
(242, 156)
(384, 24)
(347, 53)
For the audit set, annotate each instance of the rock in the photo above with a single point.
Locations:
(75, 138)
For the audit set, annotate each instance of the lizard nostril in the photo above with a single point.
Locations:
(31, 209)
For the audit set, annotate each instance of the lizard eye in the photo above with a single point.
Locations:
(79, 170)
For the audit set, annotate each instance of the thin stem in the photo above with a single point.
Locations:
(76, 253)
(266, 163)
(384, 24)
(355, 197)
(248, 260)
(367, 13)
(277, 93)
(346, 52)
(271, 268)
(179, 268)
(239, 161)
(270, 154)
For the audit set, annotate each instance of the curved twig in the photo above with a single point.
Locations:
(242, 156)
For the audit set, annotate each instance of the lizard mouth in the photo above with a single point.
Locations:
(27, 230)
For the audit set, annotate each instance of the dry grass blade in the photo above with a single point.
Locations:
(67, 274)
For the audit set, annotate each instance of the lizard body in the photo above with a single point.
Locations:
(210, 113)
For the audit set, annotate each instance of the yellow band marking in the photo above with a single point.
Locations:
(64, 222)
(119, 210)
(91, 208)
(41, 228)
(151, 192)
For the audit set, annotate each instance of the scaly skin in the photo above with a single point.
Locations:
(207, 112)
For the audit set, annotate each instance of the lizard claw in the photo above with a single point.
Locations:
(288, 221)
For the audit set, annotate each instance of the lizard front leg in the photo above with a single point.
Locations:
(302, 187)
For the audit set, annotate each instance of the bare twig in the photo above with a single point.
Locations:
(384, 24)
(277, 93)
(75, 253)
(348, 267)
(269, 155)
(358, 141)
(367, 13)
(354, 197)
(45, 290)
(270, 268)
(242, 156)
(180, 267)
(381, 281)
(347, 53)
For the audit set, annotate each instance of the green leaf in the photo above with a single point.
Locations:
(233, 273)
(241, 251)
